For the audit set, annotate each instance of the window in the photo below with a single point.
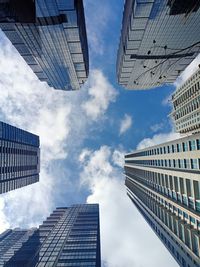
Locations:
(179, 163)
(192, 219)
(166, 180)
(194, 164)
(197, 204)
(169, 161)
(170, 182)
(181, 185)
(174, 163)
(191, 203)
(196, 185)
(186, 163)
(192, 145)
(178, 148)
(185, 146)
(196, 245)
(185, 200)
(198, 144)
(188, 187)
(175, 183)
(182, 165)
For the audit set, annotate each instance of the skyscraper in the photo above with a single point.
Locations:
(186, 105)
(19, 158)
(51, 37)
(69, 237)
(158, 40)
(163, 181)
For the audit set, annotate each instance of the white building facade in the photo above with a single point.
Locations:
(163, 182)
(186, 105)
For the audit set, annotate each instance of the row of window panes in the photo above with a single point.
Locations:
(177, 184)
(17, 183)
(160, 212)
(171, 163)
(192, 90)
(181, 198)
(161, 232)
(174, 148)
(174, 195)
(190, 107)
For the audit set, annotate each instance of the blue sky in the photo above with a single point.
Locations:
(84, 136)
(104, 21)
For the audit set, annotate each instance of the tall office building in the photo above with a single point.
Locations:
(186, 105)
(19, 158)
(158, 40)
(51, 37)
(69, 237)
(163, 182)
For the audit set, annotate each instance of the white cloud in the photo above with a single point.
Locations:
(158, 139)
(85, 153)
(118, 158)
(156, 127)
(125, 124)
(125, 236)
(3, 219)
(31, 105)
(101, 93)
(56, 117)
(167, 100)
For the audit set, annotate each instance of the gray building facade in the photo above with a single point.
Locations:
(163, 181)
(158, 41)
(19, 158)
(69, 237)
(51, 37)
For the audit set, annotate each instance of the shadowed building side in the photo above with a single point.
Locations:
(69, 237)
(19, 158)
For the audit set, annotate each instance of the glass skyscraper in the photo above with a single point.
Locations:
(186, 105)
(19, 158)
(70, 237)
(158, 41)
(163, 182)
(51, 37)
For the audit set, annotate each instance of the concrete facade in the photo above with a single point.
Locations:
(163, 182)
(186, 105)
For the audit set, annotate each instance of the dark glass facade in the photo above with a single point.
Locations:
(70, 237)
(19, 158)
(51, 37)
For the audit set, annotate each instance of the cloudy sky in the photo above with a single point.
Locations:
(84, 136)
